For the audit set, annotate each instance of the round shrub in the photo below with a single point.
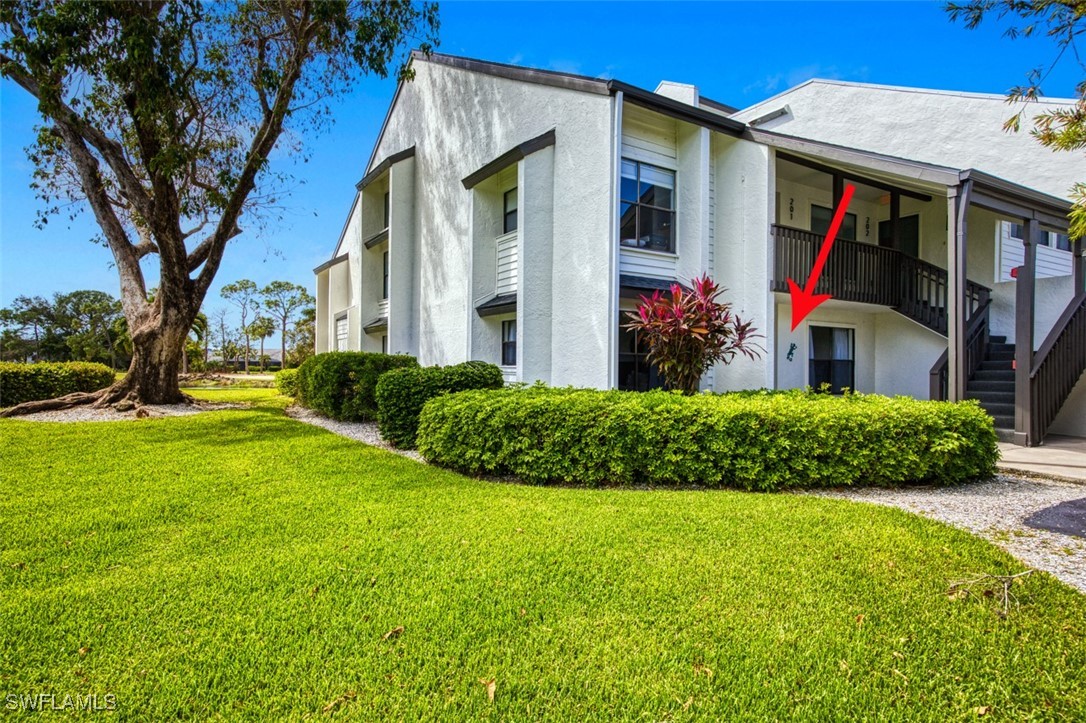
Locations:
(45, 380)
(286, 381)
(760, 441)
(401, 394)
(341, 384)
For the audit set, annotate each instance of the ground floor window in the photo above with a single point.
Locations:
(635, 373)
(833, 359)
(341, 333)
(384, 345)
(509, 343)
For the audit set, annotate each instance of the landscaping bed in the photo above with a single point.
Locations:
(751, 440)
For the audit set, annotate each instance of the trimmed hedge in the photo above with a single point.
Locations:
(45, 380)
(286, 382)
(341, 384)
(401, 394)
(754, 441)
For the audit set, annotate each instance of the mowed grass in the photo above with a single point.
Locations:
(241, 565)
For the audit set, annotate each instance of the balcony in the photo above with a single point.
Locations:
(870, 274)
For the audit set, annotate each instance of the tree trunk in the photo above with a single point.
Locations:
(261, 355)
(151, 378)
(248, 353)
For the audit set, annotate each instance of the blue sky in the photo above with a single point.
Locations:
(737, 53)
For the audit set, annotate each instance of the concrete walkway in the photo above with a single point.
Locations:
(1062, 457)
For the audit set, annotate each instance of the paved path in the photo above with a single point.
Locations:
(1063, 457)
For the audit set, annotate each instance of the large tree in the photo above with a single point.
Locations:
(160, 117)
(283, 300)
(1061, 129)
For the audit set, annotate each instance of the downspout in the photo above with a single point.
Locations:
(612, 254)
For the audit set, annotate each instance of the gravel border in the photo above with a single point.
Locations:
(365, 432)
(995, 510)
(109, 414)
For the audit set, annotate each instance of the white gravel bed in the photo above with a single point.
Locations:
(996, 510)
(365, 432)
(109, 414)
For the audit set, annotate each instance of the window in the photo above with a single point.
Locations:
(647, 207)
(822, 217)
(509, 343)
(635, 373)
(341, 333)
(1059, 241)
(832, 358)
(386, 217)
(509, 219)
(384, 278)
(384, 344)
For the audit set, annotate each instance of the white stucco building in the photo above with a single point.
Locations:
(512, 215)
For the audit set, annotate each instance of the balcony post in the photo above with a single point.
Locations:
(956, 303)
(1025, 292)
(895, 220)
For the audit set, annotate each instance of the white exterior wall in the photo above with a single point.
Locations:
(460, 120)
(744, 179)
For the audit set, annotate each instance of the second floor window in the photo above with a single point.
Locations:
(509, 343)
(822, 217)
(647, 207)
(384, 281)
(509, 217)
(386, 209)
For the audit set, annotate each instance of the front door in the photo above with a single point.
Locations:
(910, 235)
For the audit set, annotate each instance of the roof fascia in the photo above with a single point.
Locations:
(508, 158)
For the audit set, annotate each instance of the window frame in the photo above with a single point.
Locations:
(506, 212)
(844, 224)
(811, 358)
(637, 205)
(384, 275)
(387, 208)
(508, 347)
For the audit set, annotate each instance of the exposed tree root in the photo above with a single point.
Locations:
(119, 396)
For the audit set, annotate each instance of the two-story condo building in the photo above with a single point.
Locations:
(513, 215)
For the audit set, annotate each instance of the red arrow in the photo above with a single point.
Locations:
(804, 301)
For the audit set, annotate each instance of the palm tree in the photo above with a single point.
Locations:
(262, 328)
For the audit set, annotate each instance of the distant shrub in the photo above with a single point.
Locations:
(401, 394)
(754, 441)
(286, 381)
(30, 382)
(341, 384)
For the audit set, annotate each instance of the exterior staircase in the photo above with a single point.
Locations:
(993, 385)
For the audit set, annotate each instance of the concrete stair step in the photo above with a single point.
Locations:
(989, 397)
(990, 385)
(1004, 422)
(993, 375)
(997, 339)
(1000, 411)
(995, 365)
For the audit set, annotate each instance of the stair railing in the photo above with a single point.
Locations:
(1057, 366)
(977, 334)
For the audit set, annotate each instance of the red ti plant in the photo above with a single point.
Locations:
(688, 330)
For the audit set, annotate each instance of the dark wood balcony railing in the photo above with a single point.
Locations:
(1057, 366)
(871, 275)
(976, 348)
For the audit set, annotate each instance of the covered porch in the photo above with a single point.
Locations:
(924, 241)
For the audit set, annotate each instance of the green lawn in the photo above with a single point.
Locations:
(239, 564)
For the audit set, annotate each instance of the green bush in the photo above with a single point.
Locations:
(30, 382)
(286, 381)
(402, 393)
(754, 441)
(341, 384)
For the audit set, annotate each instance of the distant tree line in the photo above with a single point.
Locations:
(90, 326)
